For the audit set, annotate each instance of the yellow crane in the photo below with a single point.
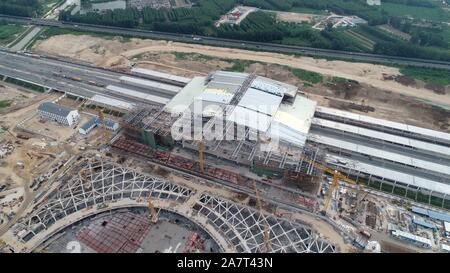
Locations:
(266, 233)
(336, 176)
(151, 207)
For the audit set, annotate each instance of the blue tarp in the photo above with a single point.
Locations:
(420, 211)
(424, 224)
(439, 216)
(432, 214)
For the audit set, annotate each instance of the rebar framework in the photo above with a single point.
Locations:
(104, 182)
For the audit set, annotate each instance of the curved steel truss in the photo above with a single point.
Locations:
(97, 184)
(244, 228)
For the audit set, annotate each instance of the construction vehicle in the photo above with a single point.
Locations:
(77, 79)
(151, 207)
(266, 233)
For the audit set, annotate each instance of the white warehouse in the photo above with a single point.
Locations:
(61, 114)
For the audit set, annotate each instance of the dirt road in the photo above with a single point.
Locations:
(114, 52)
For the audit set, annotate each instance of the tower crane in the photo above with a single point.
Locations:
(336, 176)
(266, 233)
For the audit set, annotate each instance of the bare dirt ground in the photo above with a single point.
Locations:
(295, 17)
(392, 100)
(36, 153)
(17, 97)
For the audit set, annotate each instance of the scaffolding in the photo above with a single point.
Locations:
(101, 182)
(245, 229)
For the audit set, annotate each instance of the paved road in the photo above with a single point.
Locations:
(53, 14)
(234, 43)
(48, 72)
(25, 40)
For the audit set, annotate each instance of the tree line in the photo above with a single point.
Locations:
(264, 27)
(25, 8)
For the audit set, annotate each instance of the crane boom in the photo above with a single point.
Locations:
(336, 177)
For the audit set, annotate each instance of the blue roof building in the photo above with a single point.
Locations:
(95, 121)
(424, 224)
(432, 214)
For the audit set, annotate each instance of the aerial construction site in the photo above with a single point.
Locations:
(130, 158)
(145, 161)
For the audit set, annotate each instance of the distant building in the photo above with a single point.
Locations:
(414, 239)
(447, 229)
(425, 224)
(445, 248)
(93, 122)
(374, 2)
(61, 114)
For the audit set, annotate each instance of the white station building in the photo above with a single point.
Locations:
(61, 114)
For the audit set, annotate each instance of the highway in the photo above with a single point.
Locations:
(213, 41)
(50, 73)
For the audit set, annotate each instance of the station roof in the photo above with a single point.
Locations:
(270, 85)
(150, 84)
(161, 75)
(421, 145)
(250, 118)
(112, 102)
(138, 95)
(390, 174)
(431, 213)
(184, 98)
(380, 153)
(294, 121)
(385, 123)
(260, 101)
